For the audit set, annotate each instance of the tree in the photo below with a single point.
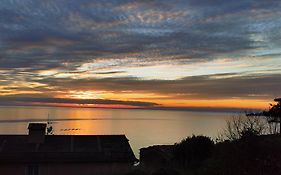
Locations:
(274, 115)
(50, 129)
(192, 151)
(242, 126)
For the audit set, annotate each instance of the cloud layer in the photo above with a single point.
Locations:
(43, 35)
(52, 47)
(31, 100)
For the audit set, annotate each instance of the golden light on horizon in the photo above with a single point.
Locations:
(163, 100)
(75, 105)
(76, 94)
(219, 103)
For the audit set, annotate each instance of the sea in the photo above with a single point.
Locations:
(142, 127)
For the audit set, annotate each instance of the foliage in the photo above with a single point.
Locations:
(50, 129)
(243, 126)
(274, 116)
(248, 155)
(192, 151)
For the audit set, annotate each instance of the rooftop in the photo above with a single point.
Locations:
(66, 148)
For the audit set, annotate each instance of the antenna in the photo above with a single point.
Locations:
(50, 130)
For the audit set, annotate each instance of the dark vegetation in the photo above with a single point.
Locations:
(192, 151)
(273, 116)
(249, 146)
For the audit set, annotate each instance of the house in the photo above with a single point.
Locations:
(40, 154)
(156, 157)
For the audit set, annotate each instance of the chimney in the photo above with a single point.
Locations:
(36, 132)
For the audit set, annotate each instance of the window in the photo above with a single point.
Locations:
(32, 170)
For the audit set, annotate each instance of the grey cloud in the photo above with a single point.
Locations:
(36, 35)
(46, 34)
(217, 86)
(111, 72)
(16, 100)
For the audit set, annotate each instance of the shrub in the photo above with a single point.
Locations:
(243, 126)
(192, 151)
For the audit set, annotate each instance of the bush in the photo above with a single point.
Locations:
(192, 151)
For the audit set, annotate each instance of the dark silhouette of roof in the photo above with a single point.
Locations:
(66, 148)
(165, 151)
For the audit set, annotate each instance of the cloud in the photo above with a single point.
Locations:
(42, 100)
(216, 86)
(45, 34)
(111, 72)
(70, 38)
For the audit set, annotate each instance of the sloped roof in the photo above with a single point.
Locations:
(165, 151)
(66, 148)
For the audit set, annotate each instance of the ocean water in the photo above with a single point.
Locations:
(142, 127)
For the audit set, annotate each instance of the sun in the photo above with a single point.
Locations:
(84, 94)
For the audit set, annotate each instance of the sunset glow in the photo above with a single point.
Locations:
(138, 54)
(81, 105)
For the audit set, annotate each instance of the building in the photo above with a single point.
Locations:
(156, 157)
(40, 154)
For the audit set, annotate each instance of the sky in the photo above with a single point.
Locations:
(140, 54)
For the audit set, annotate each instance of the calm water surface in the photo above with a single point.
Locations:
(142, 127)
